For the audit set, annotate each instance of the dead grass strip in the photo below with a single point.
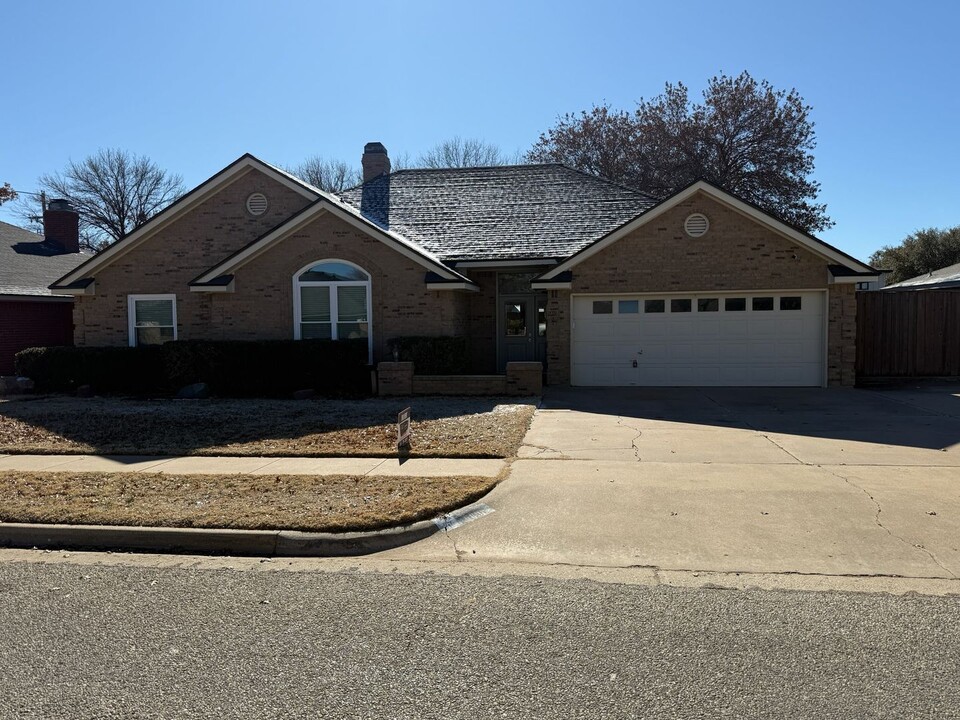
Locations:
(442, 427)
(338, 503)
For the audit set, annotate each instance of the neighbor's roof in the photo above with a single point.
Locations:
(948, 277)
(29, 263)
(498, 213)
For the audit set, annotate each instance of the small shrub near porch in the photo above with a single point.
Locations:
(434, 355)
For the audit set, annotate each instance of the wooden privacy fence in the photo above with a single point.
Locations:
(908, 334)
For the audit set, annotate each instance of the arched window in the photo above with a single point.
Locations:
(331, 300)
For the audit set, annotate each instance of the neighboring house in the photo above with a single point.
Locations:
(604, 285)
(947, 278)
(30, 313)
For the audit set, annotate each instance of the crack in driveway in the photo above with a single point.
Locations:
(633, 442)
(753, 427)
(876, 519)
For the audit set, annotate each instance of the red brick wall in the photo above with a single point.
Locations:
(32, 324)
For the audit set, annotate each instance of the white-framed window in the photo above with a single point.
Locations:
(331, 300)
(151, 319)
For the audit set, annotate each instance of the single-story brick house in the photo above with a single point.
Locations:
(31, 314)
(604, 285)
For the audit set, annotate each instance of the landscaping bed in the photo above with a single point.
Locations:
(441, 427)
(338, 503)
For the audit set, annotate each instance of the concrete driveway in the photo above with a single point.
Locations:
(835, 481)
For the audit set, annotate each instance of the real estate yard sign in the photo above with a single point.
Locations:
(403, 430)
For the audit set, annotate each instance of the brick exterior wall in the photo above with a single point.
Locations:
(524, 378)
(735, 254)
(842, 335)
(459, 385)
(399, 378)
(167, 261)
(395, 378)
(262, 305)
(483, 323)
(36, 323)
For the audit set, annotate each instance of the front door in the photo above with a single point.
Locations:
(523, 328)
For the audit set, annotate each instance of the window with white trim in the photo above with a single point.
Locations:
(151, 319)
(331, 301)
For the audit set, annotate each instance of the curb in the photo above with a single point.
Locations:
(203, 541)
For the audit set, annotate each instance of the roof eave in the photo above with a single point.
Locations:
(238, 168)
(83, 286)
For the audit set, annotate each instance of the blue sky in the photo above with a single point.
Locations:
(194, 85)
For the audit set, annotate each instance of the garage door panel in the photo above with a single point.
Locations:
(736, 347)
(709, 328)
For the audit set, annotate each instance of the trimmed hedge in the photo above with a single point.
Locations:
(269, 367)
(111, 370)
(434, 355)
(230, 368)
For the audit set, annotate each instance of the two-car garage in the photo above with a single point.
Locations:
(771, 338)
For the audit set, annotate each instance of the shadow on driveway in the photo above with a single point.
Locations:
(916, 416)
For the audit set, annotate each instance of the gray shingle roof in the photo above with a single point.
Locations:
(498, 213)
(28, 263)
(944, 278)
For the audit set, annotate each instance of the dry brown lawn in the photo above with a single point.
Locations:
(442, 427)
(289, 502)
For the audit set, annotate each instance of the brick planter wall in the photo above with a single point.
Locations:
(399, 378)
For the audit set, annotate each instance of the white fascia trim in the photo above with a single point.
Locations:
(14, 297)
(202, 192)
(88, 290)
(494, 264)
(551, 285)
(470, 287)
(325, 205)
(851, 279)
(721, 197)
(228, 288)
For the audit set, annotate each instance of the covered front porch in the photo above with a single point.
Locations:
(508, 319)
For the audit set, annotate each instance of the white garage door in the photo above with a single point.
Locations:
(709, 339)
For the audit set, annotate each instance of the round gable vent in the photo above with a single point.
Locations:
(696, 225)
(257, 204)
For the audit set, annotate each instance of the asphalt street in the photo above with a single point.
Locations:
(130, 641)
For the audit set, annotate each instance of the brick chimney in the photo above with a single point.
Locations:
(61, 224)
(375, 161)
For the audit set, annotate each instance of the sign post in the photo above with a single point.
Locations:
(403, 432)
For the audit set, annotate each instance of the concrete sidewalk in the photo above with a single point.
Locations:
(415, 467)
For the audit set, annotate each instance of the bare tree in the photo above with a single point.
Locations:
(336, 175)
(458, 152)
(329, 175)
(114, 191)
(402, 161)
(745, 136)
